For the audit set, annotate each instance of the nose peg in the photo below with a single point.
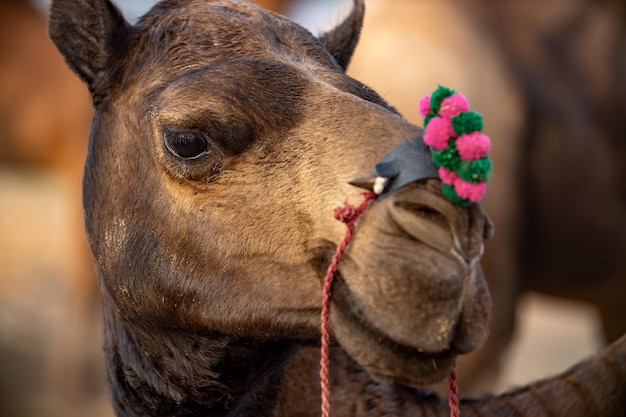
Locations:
(371, 182)
(365, 182)
(406, 163)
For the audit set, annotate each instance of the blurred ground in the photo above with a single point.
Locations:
(41, 343)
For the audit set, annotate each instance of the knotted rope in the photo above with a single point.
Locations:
(349, 215)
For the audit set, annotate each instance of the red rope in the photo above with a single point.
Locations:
(453, 393)
(349, 215)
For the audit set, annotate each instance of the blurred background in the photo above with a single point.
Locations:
(549, 80)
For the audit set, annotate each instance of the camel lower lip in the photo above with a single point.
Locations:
(381, 356)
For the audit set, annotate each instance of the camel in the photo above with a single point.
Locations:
(222, 138)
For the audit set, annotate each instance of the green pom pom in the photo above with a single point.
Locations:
(475, 171)
(449, 192)
(448, 157)
(438, 96)
(467, 122)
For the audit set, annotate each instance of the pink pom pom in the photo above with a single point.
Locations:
(438, 131)
(472, 191)
(447, 176)
(424, 106)
(453, 105)
(473, 145)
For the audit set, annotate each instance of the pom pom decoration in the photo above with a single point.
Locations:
(448, 157)
(453, 105)
(424, 106)
(473, 145)
(472, 191)
(458, 146)
(447, 176)
(467, 122)
(475, 171)
(438, 96)
(438, 132)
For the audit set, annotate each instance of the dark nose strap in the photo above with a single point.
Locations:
(408, 162)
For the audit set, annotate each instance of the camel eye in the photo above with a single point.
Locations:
(186, 144)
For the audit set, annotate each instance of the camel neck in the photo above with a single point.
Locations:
(186, 374)
(179, 373)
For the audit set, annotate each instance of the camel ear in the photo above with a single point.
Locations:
(91, 35)
(341, 41)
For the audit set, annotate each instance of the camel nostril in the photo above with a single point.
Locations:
(426, 213)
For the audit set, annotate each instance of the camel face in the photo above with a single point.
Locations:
(224, 136)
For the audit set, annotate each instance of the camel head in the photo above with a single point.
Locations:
(223, 137)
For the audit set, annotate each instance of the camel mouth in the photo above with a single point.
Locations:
(425, 353)
(409, 295)
(379, 353)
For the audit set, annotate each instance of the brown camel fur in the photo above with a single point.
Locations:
(222, 138)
